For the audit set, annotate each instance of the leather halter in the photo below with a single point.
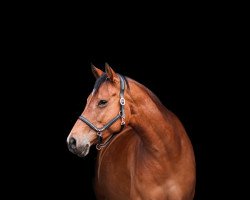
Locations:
(121, 115)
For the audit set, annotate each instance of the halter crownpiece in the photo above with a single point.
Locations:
(121, 115)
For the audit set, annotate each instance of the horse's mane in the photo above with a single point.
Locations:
(153, 97)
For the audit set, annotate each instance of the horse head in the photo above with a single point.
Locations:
(104, 113)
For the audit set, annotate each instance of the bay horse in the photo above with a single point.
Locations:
(144, 151)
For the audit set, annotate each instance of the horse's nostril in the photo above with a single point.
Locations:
(72, 143)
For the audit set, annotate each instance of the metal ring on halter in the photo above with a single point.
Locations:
(99, 134)
(98, 147)
(122, 101)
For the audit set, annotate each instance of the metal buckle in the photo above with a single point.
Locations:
(123, 121)
(122, 101)
(122, 115)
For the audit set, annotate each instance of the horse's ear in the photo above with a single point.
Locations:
(97, 72)
(111, 73)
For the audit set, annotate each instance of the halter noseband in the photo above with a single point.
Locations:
(121, 115)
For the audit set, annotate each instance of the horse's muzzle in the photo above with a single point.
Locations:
(80, 150)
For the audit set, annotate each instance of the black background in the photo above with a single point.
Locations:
(184, 61)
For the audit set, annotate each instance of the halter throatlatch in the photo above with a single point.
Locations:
(121, 115)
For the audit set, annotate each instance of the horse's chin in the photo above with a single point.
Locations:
(84, 152)
(81, 151)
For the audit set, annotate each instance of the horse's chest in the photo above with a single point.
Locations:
(113, 175)
(113, 179)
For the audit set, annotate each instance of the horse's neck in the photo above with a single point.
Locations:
(152, 121)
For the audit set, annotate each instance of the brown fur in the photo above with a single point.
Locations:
(152, 158)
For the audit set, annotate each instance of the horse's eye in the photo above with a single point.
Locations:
(102, 103)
